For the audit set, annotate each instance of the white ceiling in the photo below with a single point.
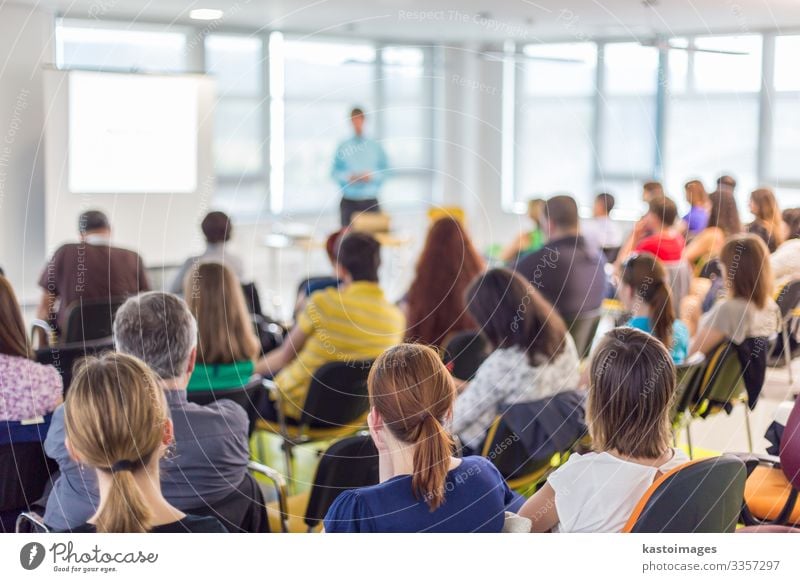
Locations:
(458, 20)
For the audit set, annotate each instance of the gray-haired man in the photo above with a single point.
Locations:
(211, 451)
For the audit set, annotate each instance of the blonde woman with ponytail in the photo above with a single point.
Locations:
(117, 423)
(423, 487)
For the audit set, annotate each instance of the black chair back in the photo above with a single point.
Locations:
(252, 298)
(347, 464)
(65, 356)
(700, 497)
(611, 253)
(242, 511)
(583, 329)
(90, 319)
(465, 352)
(25, 469)
(270, 333)
(251, 397)
(528, 434)
(337, 395)
(788, 298)
(689, 377)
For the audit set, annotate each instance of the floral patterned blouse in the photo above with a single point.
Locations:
(27, 389)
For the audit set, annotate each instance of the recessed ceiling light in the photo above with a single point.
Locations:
(205, 14)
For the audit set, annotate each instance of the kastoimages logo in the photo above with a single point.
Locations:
(31, 555)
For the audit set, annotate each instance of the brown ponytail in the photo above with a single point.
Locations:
(645, 274)
(114, 416)
(414, 394)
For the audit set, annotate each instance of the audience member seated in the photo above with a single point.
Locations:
(726, 184)
(350, 323)
(748, 309)
(652, 191)
(434, 305)
(645, 292)
(423, 487)
(118, 425)
(663, 241)
(210, 442)
(632, 382)
(786, 258)
(768, 224)
(601, 231)
(312, 284)
(567, 271)
(723, 221)
(530, 241)
(217, 230)
(697, 218)
(27, 389)
(227, 345)
(533, 355)
(89, 269)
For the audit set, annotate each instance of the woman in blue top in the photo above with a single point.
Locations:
(423, 487)
(644, 290)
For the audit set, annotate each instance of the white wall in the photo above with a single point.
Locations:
(26, 41)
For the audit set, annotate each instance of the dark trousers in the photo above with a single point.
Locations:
(348, 208)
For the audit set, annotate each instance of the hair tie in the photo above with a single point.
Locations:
(122, 466)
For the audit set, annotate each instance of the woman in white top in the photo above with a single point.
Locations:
(631, 389)
(785, 260)
(533, 355)
(747, 310)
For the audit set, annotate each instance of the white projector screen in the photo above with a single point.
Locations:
(132, 133)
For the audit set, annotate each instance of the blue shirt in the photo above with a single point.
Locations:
(680, 336)
(696, 219)
(356, 156)
(207, 461)
(476, 498)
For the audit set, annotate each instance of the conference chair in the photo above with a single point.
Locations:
(703, 496)
(30, 522)
(680, 275)
(251, 397)
(348, 463)
(689, 375)
(771, 492)
(90, 319)
(252, 298)
(788, 299)
(530, 439)
(336, 405)
(583, 328)
(464, 354)
(611, 254)
(725, 383)
(65, 356)
(25, 469)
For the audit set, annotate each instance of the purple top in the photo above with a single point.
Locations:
(27, 389)
(696, 219)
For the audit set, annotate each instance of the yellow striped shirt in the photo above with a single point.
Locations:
(354, 322)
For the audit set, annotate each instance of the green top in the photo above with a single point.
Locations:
(535, 241)
(220, 376)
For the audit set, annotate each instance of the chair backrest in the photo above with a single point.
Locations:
(65, 356)
(242, 511)
(722, 380)
(252, 397)
(270, 333)
(337, 395)
(347, 464)
(788, 297)
(30, 522)
(702, 496)
(465, 352)
(790, 447)
(583, 329)
(251, 298)
(611, 253)
(90, 319)
(525, 437)
(680, 279)
(689, 377)
(25, 469)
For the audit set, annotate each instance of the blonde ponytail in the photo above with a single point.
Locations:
(124, 509)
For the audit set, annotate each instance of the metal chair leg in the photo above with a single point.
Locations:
(747, 426)
(689, 438)
(787, 351)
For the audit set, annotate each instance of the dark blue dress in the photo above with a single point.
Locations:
(476, 497)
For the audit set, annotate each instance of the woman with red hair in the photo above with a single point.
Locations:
(435, 307)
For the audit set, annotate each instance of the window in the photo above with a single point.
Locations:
(240, 147)
(785, 148)
(554, 120)
(82, 45)
(712, 126)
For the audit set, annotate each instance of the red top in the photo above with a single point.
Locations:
(668, 248)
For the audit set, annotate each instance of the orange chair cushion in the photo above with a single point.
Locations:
(766, 492)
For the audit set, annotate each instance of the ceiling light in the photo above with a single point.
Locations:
(205, 14)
